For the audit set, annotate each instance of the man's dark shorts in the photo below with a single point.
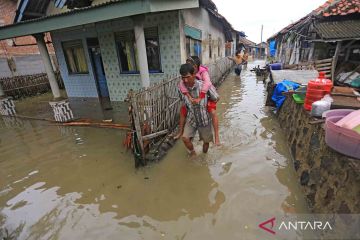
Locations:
(205, 133)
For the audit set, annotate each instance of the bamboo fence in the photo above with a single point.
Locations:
(28, 85)
(155, 110)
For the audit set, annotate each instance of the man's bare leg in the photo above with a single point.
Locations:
(181, 126)
(205, 147)
(215, 122)
(189, 146)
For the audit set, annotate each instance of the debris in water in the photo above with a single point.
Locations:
(256, 116)
(107, 120)
(119, 186)
(146, 177)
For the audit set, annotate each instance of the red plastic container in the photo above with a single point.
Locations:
(316, 90)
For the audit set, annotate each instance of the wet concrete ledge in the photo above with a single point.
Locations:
(330, 180)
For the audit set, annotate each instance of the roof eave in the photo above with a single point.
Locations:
(79, 17)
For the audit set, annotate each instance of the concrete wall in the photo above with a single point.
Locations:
(25, 65)
(199, 18)
(4, 68)
(84, 85)
(330, 180)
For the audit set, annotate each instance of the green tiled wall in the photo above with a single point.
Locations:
(169, 39)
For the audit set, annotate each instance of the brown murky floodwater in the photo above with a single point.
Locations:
(80, 183)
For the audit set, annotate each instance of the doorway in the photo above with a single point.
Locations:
(97, 63)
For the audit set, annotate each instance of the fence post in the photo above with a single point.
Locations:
(1, 90)
(135, 113)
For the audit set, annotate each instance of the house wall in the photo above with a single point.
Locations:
(84, 85)
(169, 40)
(199, 18)
(76, 85)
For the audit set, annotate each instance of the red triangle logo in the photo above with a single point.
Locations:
(270, 222)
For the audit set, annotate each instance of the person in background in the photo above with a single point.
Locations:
(238, 62)
(203, 75)
(197, 118)
(245, 58)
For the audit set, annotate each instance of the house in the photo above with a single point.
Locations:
(105, 48)
(261, 50)
(20, 56)
(248, 45)
(330, 31)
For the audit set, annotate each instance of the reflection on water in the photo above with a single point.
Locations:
(80, 183)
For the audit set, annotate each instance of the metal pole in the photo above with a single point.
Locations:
(334, 61)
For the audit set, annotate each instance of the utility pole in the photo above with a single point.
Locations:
(261, 41)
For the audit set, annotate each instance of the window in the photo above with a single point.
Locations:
(354, 54)
(128, 55)
(125, 42)
(193, 47)
(75, 57)
(152, 49)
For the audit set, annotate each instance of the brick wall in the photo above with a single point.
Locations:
(7, 14)
(23, 56)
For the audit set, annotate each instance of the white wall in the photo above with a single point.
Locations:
(199, 18)
(25, 65)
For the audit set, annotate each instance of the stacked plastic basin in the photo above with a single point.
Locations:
(343, 140)
(275, 66)
(316, 90)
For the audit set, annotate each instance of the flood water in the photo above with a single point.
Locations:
(80, 183)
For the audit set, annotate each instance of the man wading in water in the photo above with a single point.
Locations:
(238, 59)
(202, 74)
(197, 118)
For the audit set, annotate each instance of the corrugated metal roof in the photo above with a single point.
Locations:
(338, 29)
(70, 12)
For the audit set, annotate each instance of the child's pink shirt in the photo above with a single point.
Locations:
(202, 75)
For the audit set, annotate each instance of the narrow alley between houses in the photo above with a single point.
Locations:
(179, 120)
(223, 194)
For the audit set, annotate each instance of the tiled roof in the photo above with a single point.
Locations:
(329, 8)
(324, 6)
(338, 29)
(246, 41)
(341, 7)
